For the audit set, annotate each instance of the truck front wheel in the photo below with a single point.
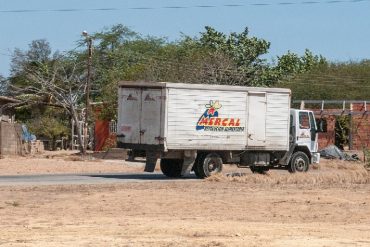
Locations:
(208, 165)
(171, 167)
(299, 162)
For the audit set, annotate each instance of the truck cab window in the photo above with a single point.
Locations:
(304, 120)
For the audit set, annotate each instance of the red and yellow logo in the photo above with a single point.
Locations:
(210, 120)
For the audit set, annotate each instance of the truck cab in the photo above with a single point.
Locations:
(304, 136)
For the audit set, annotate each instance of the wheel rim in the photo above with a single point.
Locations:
(300, 164)
(213, 165)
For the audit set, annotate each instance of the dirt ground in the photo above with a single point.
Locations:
(328, 206)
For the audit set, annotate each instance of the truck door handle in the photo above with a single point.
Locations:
(142, 132)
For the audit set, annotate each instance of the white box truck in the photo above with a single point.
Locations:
(200, 127)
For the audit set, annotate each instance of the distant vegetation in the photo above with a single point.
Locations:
(42, 78)
(332, 81)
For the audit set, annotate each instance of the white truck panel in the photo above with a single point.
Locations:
(257, 107)
(187, 106)
(204, 117)
(277, 121)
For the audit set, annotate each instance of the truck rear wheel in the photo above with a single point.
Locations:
(208, 165)
(299, 162)
(171, 167)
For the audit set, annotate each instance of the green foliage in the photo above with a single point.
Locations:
(48, 127)
(291, 64)
(331, 81)
(121, 54)
(38, 54)
(244, 50)
(47, 123)
(342, 130)
(212, 58)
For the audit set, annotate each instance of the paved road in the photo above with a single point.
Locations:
(56, 179)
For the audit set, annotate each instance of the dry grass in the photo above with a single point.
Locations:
(328, 173)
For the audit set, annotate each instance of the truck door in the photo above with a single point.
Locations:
(130, 109)
(150, 132)
(256, 134)
(314, 133)
(307, 134)
(141, 111)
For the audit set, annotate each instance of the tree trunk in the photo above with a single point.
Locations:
(79, 130)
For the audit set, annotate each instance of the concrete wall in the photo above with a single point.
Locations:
(10, 139)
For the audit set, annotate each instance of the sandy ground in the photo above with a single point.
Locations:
(329, 206)
(63, 162)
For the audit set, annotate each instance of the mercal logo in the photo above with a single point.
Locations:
(210, 120)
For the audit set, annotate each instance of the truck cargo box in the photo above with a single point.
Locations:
(175, 116)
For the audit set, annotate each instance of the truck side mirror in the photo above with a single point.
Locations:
(322, 125)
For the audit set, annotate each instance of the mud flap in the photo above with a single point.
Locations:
(151, 161)
(189, 159)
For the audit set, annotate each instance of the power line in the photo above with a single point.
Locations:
(66, 10)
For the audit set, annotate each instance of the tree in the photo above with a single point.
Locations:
(211, 58)
(3, 85)
(62, 83)
(39, 52)
(243, 50)
(55, 82)
(291, 64)
(42, 78)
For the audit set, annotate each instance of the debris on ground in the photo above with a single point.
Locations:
(333, 152)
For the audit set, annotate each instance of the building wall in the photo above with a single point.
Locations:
(361, 127)
(328, 138)
(10, 139)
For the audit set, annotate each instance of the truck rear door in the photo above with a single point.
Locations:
(140, 118)
(150, 132)
(129, 109)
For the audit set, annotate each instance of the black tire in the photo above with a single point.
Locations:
(208, 165)
(299, 162)
(200, 157)
(171, 167)
(259, 169)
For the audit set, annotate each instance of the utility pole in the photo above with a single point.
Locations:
(88, 82)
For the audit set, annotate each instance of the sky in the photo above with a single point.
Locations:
(338, 30)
